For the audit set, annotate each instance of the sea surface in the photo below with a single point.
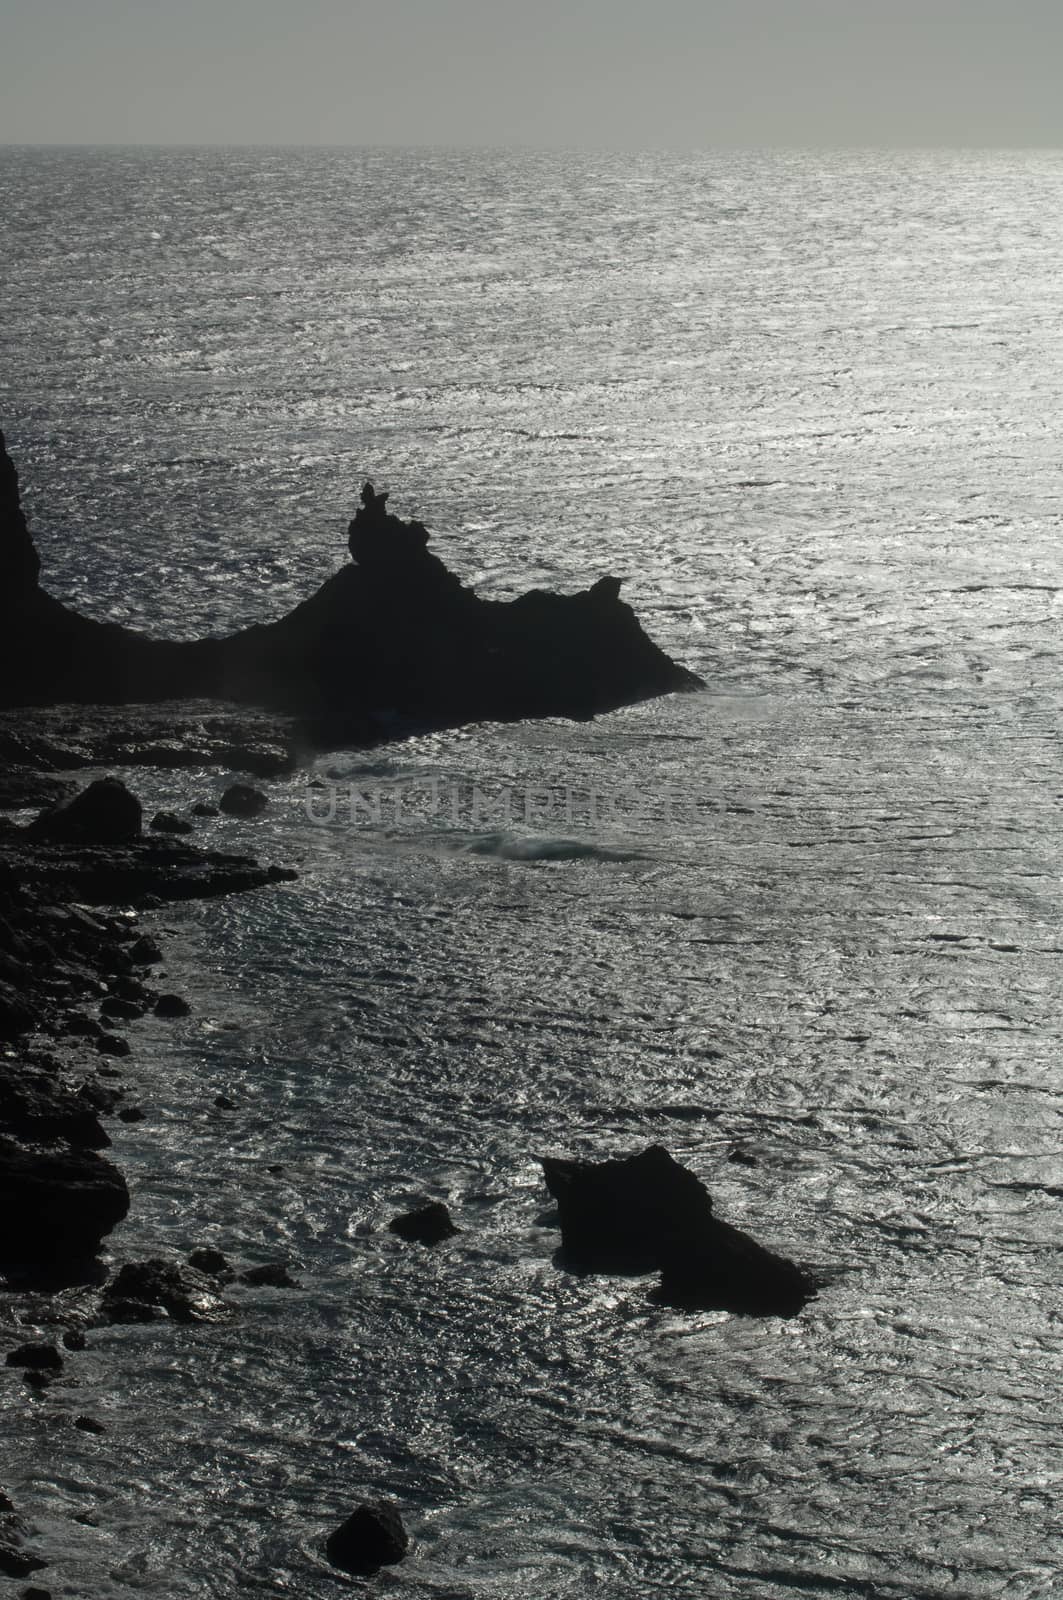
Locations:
(807, 406)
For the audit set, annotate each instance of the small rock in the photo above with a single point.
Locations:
(38, 1380)
(114, 1006)
(203, 809)
(74, 1339)
(112, 1044)
(131, 1114)
(212, 1262)
(271, 1275)
(427, 1224)
(223, 1102)
(144, 952)
(36, 1594)
(89, 1425)
(372, 1537)
(241, 800)
(167, 822)
(172, 1005)
(741, 1156)
(40, 1357)
(127, 988)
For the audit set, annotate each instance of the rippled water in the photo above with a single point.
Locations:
(807, 406)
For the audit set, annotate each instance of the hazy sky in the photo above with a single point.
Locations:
(614, 73)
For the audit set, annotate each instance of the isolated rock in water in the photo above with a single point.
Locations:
(186, 1294)
(105, 813)
(172, 1005)
(212, 1262)
(427, 1224)
(38, 1106)
(56, 1203)
(624, 1215)
(241, 800)
(39, 1357)
(647, 1212)
(372, 1537)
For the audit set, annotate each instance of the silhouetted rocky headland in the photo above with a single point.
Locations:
(392, 634)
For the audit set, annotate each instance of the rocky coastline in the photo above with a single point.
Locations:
(392, 640)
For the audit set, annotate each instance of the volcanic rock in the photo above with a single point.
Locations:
(172, 1005)
(646, 1212)
(372, 1537)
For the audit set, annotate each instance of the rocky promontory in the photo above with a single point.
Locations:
(392, 634)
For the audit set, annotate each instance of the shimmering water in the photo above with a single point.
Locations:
(806, 405)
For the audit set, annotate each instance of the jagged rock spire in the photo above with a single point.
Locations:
(20, 564)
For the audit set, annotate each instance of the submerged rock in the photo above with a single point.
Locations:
(372, 1537)
(427, 1224)
(647, 1212)
(168, 822)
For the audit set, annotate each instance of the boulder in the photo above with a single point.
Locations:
(270, 1275)
(243, 800)
(186, 1294)
(168, 822)
(20, 564)
(646, 1213)
(56, 1203)
(372, 1537)
(38, 1357)
(105, 813)
(427, 1224)
(172, 1005)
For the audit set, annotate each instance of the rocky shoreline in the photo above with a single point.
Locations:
(76, 968)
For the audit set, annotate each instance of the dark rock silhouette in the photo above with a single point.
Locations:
(270, 1275)
(372, 1537)
(242, 800)
(392, 635)
(38, 1105)
(41, 1357)
(646, 1212)
(104, 813)
(168, 822)
(56, 1202)
(427, 1224)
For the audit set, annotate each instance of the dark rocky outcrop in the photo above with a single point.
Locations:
(20, 564)
(270, 1275)
(105, 813)
(647, 1213)
(392, 635)
(56, 1202)
(38, 1105)
(183, 1292)
(372, 1537)
(427, 1224)
(167, 822)
(39, 1357)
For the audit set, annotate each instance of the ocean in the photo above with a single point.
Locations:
(806, 406)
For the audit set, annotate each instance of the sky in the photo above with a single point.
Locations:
(599, 74)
